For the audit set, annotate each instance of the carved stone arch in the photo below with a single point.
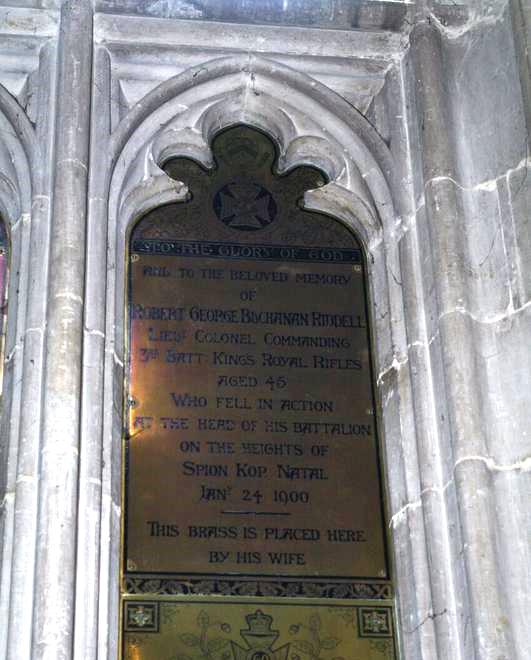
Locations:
(315, 126)
(311, 125)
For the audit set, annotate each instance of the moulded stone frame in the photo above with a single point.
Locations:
(24, 207)
(312, 126)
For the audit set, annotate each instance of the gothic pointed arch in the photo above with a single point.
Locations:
(20, 174)
(316, 126)
(313, 126)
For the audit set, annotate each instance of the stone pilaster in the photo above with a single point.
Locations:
(53, 606)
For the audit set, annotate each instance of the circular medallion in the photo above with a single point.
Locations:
(245, 205)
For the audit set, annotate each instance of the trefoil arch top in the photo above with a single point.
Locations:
(245, 191)
(312, 125)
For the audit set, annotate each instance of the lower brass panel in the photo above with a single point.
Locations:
(254, 629)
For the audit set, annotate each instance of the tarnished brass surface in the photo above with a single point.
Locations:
(252, 446)
(247, 629)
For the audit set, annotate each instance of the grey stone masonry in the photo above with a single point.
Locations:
(419, 115)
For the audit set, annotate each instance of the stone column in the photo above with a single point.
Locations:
(94, 502)
(461, 385)
(53, 607)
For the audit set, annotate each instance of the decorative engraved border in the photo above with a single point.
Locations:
(156, 585)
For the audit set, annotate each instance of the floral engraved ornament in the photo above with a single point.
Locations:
(382, 646)
(202, 644)
(314, 643)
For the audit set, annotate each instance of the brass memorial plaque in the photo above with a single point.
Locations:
(251, 452)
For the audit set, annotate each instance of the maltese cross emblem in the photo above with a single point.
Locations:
(245, 205)
(259, 640)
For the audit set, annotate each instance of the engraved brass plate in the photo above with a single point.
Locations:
(251, 461)
(247, 629)
(252, 446)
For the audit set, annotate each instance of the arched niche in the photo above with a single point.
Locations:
(313, 126)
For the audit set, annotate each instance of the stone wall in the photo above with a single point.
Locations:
(419, 115)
